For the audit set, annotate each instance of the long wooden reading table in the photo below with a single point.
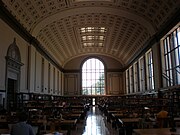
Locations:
(156, 131)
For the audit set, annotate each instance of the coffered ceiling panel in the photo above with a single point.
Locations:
(56, 25)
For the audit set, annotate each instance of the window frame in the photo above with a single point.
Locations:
(93, 88)
(150, 70)
(170, 48)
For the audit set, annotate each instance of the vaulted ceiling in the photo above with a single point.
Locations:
(57, 25)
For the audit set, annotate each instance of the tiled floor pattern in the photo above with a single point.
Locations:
(94, 124)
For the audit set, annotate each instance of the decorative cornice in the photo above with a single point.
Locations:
(107, 70)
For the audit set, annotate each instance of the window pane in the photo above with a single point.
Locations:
(93, 77)
(175, 39)
(150, 78)
(165, 47)
(178, 34)
(168, 46)
(142, 74)
(178, 75)
(177, 56)
(172, 58)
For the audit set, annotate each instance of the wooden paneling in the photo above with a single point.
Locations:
(114, 83)
(71, 84)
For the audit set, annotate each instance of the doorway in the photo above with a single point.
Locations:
(12, 94)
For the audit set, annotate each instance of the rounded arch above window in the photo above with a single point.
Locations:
(91, 58)
(93, 63)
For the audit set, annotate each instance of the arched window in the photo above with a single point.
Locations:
(93, 81)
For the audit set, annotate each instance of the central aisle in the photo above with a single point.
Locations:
(95, 124)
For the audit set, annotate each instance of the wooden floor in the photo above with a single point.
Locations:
(94, 124)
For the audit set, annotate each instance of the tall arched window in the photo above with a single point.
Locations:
(93, 82)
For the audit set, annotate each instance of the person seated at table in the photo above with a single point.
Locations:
(162, 118)
(64, 105)
(58, 115)
(162, 114)
(22, 128)
(147, 113)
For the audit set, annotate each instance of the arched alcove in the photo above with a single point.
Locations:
(13, 71)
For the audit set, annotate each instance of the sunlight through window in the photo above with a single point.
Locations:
(93, 81)
(93, 36)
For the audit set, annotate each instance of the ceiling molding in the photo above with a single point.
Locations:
(85, 10)
(92, 55)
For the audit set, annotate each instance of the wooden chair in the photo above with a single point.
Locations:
(163, 122)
